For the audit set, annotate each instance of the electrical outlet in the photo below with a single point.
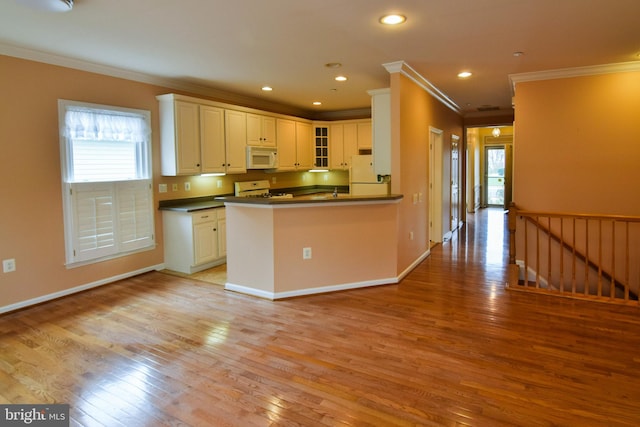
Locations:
(8, 265)
(174, 187)
(219, 184)
(306, 253)
(411, 235)
(187, 186)
(162, 188)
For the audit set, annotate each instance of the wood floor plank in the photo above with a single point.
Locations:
(448, 346)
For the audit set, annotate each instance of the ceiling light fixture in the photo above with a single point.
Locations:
(464, 74)
(49, 5)
(393, 19)
(267, 88)
(317, 103)
(341, 79)
(495, 132)
(518, 53)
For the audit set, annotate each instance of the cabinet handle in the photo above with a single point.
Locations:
(204, 216)
(215, 229)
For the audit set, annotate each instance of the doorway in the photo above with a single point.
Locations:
(435, 185)
(494, 178)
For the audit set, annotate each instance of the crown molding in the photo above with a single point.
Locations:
(180, 85)
(564, 73)
(406, 70)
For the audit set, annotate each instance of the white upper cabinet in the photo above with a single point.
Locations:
(345, 141)
(212, 140)
(304, 145)
(381, 133)
(295, 145)
(197, 137)
(364, 135)
(179, 137)
(235, 141)
(261, 130)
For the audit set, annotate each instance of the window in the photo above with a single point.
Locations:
(106, 180)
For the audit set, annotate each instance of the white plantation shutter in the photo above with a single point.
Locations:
(94, 231)
(106, 169)
(135, 217)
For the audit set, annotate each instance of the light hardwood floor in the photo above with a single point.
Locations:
(447, 346)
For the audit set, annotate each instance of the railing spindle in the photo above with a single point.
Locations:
(591, 245)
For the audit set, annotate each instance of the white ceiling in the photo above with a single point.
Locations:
(238, 46)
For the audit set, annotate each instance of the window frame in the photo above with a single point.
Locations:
(129, 203)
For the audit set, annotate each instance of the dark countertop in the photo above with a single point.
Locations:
(314, 194)
(191, 205)
(310, 198)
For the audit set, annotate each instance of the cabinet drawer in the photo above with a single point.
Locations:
(204, 216)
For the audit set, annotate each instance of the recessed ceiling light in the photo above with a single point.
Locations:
(518, 53)
(333, 65)
(464, 74)
(267, 88)
(392, 19)
(341, 79)
(317, 103)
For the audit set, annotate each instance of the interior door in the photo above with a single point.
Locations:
(455, 182)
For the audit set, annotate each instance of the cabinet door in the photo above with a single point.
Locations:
(261, 130)
(364, 135)
(212, 144)
(336, 144)
(205, 241)
(321, 147)
(304, 146)
(235, 127)
(254, 131)
(269, 131)
(187, 129)
(286, 132)
(350, 146)
(222, 237)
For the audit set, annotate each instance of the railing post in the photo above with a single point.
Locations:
(511, 222)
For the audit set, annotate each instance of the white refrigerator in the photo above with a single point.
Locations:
(362, 180)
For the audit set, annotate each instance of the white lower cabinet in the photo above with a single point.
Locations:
(194, 241)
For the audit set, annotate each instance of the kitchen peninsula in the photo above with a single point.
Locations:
(280, 248)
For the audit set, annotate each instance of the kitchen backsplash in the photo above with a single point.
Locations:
(181, 187)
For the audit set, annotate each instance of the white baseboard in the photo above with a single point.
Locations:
(323, 289)
(55, 295)
(414, 264)
(310, 291)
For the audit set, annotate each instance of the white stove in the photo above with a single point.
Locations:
(258, 189)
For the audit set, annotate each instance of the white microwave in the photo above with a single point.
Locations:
(262, 157)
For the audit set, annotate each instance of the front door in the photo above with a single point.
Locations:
(494, 175)
(455, 182)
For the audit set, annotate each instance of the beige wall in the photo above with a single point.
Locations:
(351, 245)
(31, 219)
(413, 112)
(577, 144)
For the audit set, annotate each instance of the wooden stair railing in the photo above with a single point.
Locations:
(603, 254)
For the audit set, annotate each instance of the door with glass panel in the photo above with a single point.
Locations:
(495, 165)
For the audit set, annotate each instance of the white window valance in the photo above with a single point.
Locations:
(91, 124)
